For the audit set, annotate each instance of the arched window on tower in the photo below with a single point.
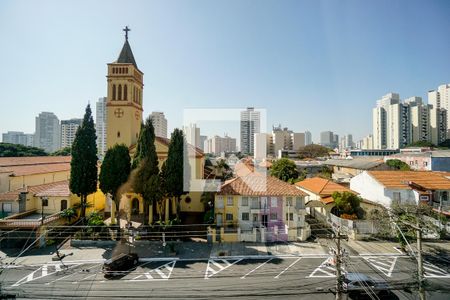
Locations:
(120, 92)
(114, 92)
(125, 92)
(134, 94)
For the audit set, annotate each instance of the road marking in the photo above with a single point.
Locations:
(262, 264)
(42, 272)
(433, 271)
(163, 272)
(288, 267)
(61, 278)
(383, 264)
(215, 267)
(326, 269)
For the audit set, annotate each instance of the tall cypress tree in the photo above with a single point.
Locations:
(147, 181)
(176, 160)
(115, 170)
(83, 166)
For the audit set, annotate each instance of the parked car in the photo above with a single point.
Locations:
(357, 284)
(120, 264)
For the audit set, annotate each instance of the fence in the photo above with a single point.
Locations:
(352, 226)
(29, 223)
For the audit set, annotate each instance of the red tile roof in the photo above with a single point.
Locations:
(33, 160)
(321, 186)
(54, 189)
(259, 185)
(19, 166)
(400, 179)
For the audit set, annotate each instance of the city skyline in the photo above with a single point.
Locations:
(226, 66)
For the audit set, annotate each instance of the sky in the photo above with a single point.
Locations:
(312, 65)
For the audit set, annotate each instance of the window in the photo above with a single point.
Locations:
(187, 199)
(44, 202)
(125, 92)
(219, 202)
(119, 92)
(255, 218)
(255, 203)
(290, 217)
(118, 134)
(114, 92)
(229, 201)
(273, 201)
(288, 201)
(229, 217)
(63, 204)
(244, 201)
(7, 207)
(299, 203)
(245, 216)
(444, 196)
(273, 216)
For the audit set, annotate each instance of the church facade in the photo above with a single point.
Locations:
(124, 118)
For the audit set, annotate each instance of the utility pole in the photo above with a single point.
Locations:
(338, 263)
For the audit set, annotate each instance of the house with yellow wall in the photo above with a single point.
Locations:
(259, 208)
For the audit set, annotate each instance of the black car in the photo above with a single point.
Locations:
(120, 264)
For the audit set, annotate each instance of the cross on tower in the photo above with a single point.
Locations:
(126, 29)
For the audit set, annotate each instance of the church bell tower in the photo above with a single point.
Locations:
(124, 100)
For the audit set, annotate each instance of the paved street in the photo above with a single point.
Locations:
(308, 276)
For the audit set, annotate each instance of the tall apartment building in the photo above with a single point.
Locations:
(398, 123)
(269, 144)
(18, 137)
(47, 136)
(329, 139)
(216, 145)
(159, 121)
(346, 142)
(192, 134)
(308, 138)
(100, 125)
(440, 99)
(68, 130)
(250, 124)
(367, 143)
(203, 139)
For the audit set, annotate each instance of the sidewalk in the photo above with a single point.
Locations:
(254, 249)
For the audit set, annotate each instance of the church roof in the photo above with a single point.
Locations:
(126, 55)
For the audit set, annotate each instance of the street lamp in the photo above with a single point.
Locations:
(42, 209)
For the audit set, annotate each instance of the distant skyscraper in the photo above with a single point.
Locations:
(216, 145)
(68, 130)
(18, 137)
(250, 124)
(192, 134)
(327, 139)
(160, 123)
(100, 125)
(269, 144)
(440, 99)
(308, 138)
(398, 123)
(203, 139)
(47, 134)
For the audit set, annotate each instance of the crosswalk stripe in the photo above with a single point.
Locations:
(210, 271)
(383, 264)
(168, 267)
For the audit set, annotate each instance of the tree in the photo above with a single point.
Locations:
(83, 166)
(147, 181)
(397, 164)
(421, 144)
(313, 151)
(13, 150)
(348, 204)
(284, 169)
(66, 151)
(177, 165)
(114, 173)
